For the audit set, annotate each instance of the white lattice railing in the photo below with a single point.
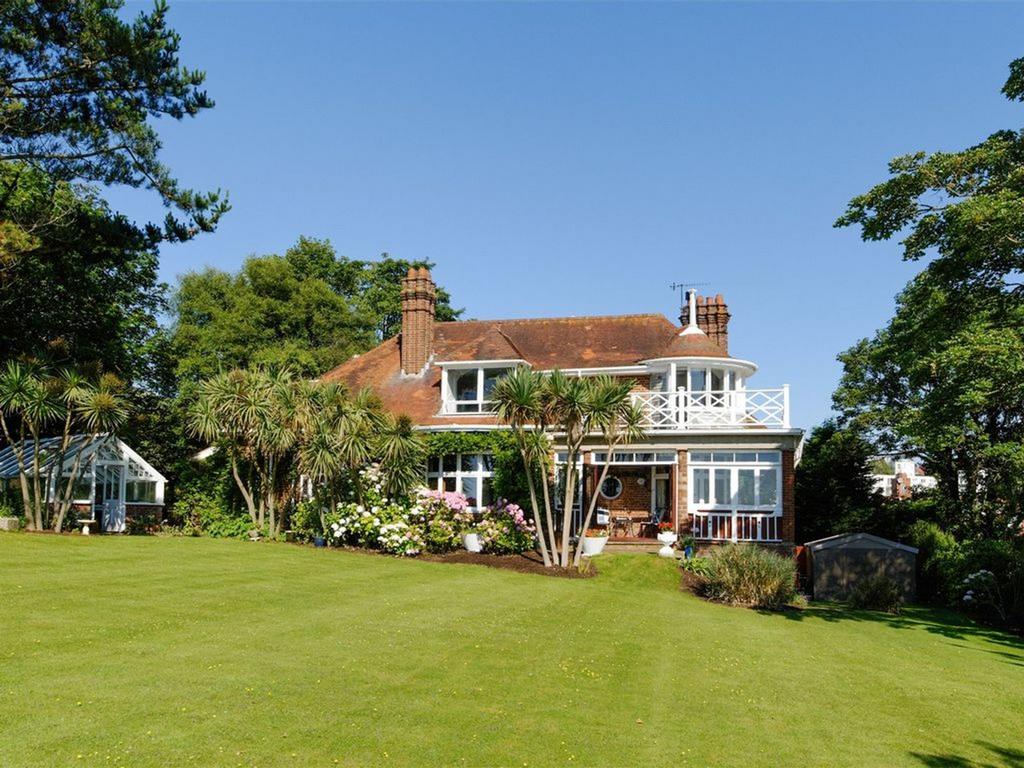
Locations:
(735, 526)
(755, 408)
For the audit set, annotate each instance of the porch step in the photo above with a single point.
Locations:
(632, 545)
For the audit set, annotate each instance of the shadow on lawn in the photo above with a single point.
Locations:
(1002, 757)
(937, 621)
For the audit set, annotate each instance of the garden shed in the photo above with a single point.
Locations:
(839, 563)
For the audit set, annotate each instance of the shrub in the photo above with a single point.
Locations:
(9, 510)
(878, 593)
(504, 530)
(936, 549)
(306, 520)
(206, 514)
(696, 565)
(745, 574)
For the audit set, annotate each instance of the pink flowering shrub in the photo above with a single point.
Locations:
(504, 529)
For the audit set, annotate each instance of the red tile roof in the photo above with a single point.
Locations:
(563, 342)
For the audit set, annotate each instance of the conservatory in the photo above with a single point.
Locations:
(111, 481)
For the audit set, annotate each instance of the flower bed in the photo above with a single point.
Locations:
(431, 521)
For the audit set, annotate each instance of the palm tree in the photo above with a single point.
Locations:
(619, 420)
(567, 406)
(518, 397)
(401, 453)
(101, 410)
(36, 400)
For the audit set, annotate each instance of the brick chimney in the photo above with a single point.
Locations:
(418, 295)
(713, 319)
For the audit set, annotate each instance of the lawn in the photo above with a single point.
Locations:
(158, 651)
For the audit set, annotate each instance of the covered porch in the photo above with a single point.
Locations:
(637, 496)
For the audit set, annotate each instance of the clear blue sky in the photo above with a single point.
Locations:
(576, 159)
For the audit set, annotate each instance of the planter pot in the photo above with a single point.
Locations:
(471, 542)
(688, 551)
(319, 541)
(593, 545)
(667, 539)
(10, 523)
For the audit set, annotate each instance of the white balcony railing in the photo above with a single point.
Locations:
(735, 526)
(753, 408)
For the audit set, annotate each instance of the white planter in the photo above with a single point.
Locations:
(667, 539)
(593, 545)
(9, 523)
(472, 543)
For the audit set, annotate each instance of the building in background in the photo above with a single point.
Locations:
(899, 478)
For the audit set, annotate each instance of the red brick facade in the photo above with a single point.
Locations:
(788, 499)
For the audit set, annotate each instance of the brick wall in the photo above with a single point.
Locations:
(635, 499)
(788, 499)
(683, 522)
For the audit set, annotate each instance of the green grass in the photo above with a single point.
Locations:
(159, 652)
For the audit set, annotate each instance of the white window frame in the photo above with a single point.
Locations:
(436, 478)
(734, 467)
(641, 458)
(451, 371)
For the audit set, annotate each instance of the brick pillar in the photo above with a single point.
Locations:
(713, 318)
(418, 296)
(788, 499)
(682, 507)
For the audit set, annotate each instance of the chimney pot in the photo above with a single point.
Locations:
(713, 319)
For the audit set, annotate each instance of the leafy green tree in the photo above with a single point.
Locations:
(833, 483)
(86, 292)
(308, 310)
(79, 87)
(944, 378)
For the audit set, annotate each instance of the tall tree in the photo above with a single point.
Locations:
(944, 378)
(86, 292)
(78, 88)
(308, 309)
(833, 483)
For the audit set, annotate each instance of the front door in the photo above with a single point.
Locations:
(113, 503)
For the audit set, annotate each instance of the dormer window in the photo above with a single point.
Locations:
(468, 389)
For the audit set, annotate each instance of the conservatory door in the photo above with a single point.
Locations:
(113, 499)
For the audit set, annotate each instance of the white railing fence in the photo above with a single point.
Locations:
(735, 526)
(714, 409)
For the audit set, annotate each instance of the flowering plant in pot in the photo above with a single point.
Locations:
(594, 540)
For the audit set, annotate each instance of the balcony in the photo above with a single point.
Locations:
(709, 410)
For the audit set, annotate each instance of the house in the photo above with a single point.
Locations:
(113, 485)
(900, 478)
(718, 457)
